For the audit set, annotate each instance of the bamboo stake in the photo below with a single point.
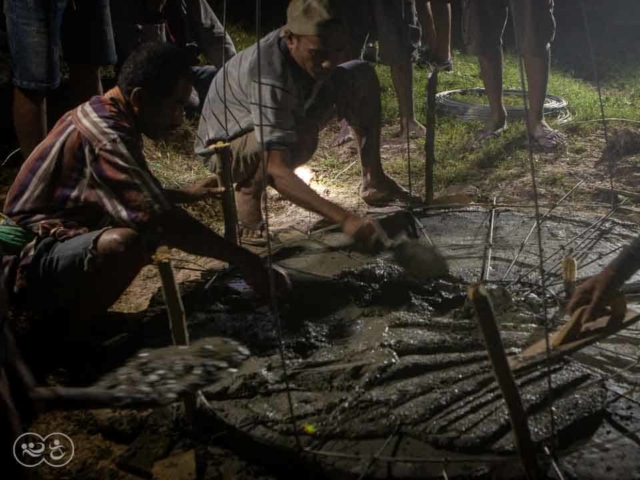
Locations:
(504, 376)
(176, 313)
(228, 197)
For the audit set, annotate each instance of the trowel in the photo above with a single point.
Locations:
(419, 259)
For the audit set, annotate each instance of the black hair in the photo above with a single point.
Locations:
(155, 67)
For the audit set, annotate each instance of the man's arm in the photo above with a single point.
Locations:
(207, 188)
(289, 185)
(182, 231)
(594, 292)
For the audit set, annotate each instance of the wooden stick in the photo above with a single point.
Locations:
(176, 313)
(228, 197)
(430, 141)
(504, 376)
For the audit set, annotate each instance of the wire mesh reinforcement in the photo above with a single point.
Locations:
(469, 111)
(553, 106)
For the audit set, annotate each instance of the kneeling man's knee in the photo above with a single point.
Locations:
(120, 241)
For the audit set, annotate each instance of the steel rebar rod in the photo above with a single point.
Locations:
(554, 465)
(430, 140)
(486, 261)
(382, 458)
(533, 227)
(575, 238)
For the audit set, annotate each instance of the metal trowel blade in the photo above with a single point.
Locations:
(420, 260)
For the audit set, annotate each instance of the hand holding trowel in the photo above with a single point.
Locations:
(420, 260)
(595, 312)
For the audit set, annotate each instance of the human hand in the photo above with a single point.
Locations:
(366, 232)
(593, 294)
(207, 188)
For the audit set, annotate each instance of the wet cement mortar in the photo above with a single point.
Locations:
(382, 364)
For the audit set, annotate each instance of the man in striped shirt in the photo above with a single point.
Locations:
(95, 208)
(272, 111)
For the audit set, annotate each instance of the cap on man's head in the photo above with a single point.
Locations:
(313, 17)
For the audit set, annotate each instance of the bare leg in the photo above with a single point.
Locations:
(491, 72)
(441, 19)
(425, 16)
(402, 75)
(85, 82)
(120, 256)
(30, 118)
(249, 196)
(537, 69)
(377, 187)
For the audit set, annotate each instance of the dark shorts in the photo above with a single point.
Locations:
(393, 23)
(352, 93)
(38, 30)
(58, 271)
(484, 22)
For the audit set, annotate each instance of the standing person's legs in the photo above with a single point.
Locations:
(435, 20)
(535, 22)
(33, 30)
(425, 16)
(484, 23)
(442, 20)
(396, 25)
(356, 93)
(87, 43)
(358, 17)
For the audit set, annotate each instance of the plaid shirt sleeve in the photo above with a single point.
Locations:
(124, 185)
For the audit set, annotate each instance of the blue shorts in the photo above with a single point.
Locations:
(58, 271)
(39, 30)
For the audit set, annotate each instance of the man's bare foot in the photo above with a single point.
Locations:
(385, 191)
(546, 137)
(345, 135)
(416, 129)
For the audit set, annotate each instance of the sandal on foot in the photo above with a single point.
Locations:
(342, 139)
(258, 237)
(485, 135)
(551, 140)
(390, 198)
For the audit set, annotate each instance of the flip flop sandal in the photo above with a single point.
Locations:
(255, 241)
(485, 135)
(341, 139)
(551, 140)
(390, 199)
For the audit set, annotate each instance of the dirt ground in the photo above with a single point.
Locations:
(101, 436)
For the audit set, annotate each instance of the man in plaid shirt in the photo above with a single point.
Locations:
(96, 211)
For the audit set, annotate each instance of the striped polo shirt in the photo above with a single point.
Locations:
(286, 89)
